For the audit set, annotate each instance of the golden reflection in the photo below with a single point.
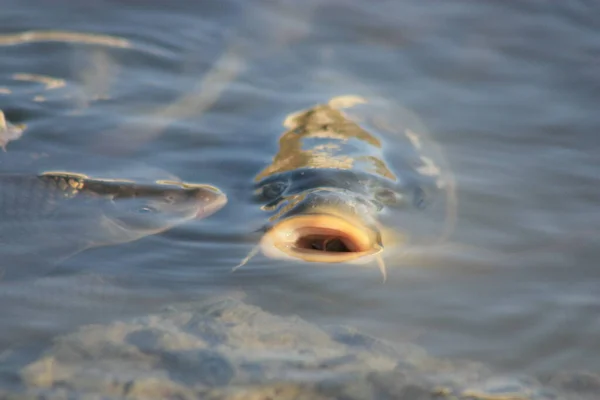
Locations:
(333, 132)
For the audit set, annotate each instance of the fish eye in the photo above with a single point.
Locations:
(273, 190)
(146, 210)
(387, 197)
(170, 198)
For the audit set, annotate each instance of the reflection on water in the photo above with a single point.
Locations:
(508, 90)
(63, 37)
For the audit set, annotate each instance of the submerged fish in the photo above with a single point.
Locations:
(47, 218)
(328, 185)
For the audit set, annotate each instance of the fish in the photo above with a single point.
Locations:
(329, 186)
(8, 131)
(48, 217)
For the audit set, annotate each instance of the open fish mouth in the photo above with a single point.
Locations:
(319, 238)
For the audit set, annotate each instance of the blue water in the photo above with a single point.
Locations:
(509, 91)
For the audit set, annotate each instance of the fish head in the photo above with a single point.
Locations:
(136, 211)
(328, 225)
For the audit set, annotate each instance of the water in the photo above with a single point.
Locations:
(509, 90)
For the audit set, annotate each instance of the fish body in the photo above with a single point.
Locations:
(329, 185)
(46, 218)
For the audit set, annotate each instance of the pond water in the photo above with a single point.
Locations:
(508, 90)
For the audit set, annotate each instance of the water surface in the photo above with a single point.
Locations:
(509, 90)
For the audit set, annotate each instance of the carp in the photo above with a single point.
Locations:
(329, 185)
(46, 218)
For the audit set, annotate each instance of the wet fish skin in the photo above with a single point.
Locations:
(47, 218)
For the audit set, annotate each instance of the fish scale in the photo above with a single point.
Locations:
(28, 198)
(28, 208)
